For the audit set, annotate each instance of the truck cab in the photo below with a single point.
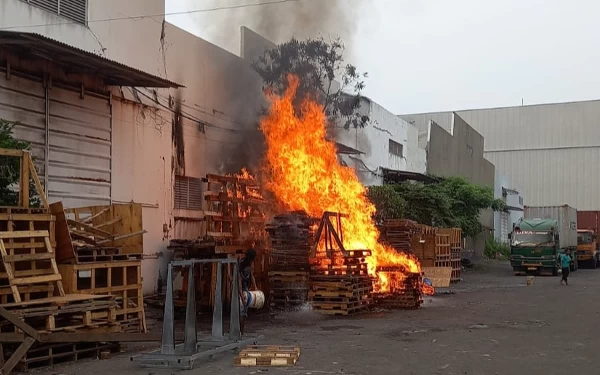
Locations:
(535, 247)
(587, 248)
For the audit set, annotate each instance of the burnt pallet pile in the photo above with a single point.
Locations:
(291, 236)
(404, 292)
(398, 233)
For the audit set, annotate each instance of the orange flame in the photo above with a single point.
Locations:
(304, 174)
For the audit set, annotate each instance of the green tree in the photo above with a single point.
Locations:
(318, 64)
(10, 168)
(388, 202)
(453, 202)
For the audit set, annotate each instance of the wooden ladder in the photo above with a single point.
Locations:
(34, 275)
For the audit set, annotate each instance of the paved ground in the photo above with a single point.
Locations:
(494, 324)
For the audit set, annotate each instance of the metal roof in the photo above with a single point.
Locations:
(39, 47)
(346, 150)
(391, 176)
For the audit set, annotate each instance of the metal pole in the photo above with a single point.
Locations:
(191, 339)
(234, 316)
(168, 336)
(217, 323)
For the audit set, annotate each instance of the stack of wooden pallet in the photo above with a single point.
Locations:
(267, 356)
(340, 295)
(100, 251)
(340, 284)
(404, 290)
(455, 238)
(32, 296)
(398, 233)
(291, 237)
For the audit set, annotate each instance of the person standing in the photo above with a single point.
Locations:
(565, 263)
(246, 282)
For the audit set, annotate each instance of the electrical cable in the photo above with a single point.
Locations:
(139, 17)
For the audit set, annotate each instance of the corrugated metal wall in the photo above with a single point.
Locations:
(588, 220)
(23, 101)
(79, 138)
(80, 149)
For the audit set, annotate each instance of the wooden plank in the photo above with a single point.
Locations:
(17, 356)
(89, 228)
(61, 290)
(92, 217)
(64, 243)
(38, 184)
(11, 152)
(24, 257)
(9, 273)
(37, 280)
(110, 222)
(26, 217)
(24, 234)
(24, 188)
(122, 237)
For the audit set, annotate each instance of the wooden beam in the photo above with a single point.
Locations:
(24, 257)
(122, 237)
(68, 337)
(11, 152)
(90, 218)
(17, 355)
(24, 188)
(37, 279)
(38, 184)
(24, 234)
(88, 228)
(110, 222)
(17, 322)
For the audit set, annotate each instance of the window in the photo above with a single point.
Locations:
(396, 148)
(188, 193)
(75, 10)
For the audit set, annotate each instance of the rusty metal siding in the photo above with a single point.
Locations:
(79, 171)
(588, 220)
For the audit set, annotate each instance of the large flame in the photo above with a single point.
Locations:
(304, 174)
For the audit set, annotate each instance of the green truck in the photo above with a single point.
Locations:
(538, 239)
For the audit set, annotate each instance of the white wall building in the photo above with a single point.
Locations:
(388, 142)
(99, 140)
(504, 220)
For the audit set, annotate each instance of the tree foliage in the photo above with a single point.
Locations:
(453, 202)
(10, 168)
(318, 64)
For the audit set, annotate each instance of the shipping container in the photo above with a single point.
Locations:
(567, 221)
(588, 220)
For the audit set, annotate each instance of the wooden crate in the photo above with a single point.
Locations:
(120, 279)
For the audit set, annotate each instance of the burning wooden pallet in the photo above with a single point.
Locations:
(405, 291)
(398, 233)
(291, 236)
(268, 356)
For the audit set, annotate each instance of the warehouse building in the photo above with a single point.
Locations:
(548, 151)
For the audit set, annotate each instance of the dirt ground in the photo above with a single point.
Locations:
(493, 324)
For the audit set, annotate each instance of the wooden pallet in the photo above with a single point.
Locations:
(69, 313)
(123, 280)
(268, 355)
(44, 355)
(24, 269)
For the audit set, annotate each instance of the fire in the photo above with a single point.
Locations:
(304, 174)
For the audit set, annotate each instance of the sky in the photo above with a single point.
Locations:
(432, 55)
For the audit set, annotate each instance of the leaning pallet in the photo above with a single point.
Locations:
(24, 267)
(122, 279)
